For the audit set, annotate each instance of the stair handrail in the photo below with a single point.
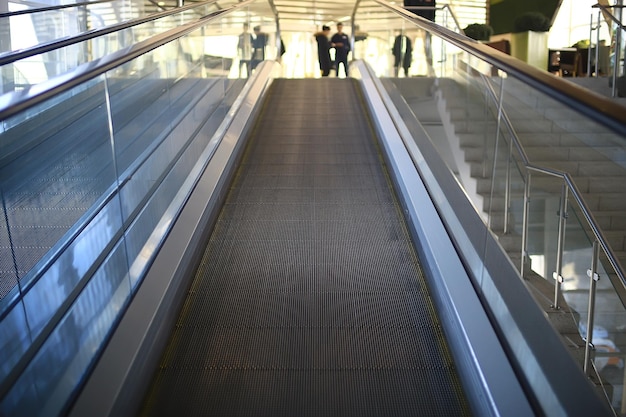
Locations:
(13, 56)
(443, 7)
(618, 41)
(454, 18)
(573, 189)
(570, 187)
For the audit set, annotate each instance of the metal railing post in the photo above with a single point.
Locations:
(525, 259)
(507, 190)
(558, 277)
(590, 39)
(618, 49)
(593, 279)
(597, 46)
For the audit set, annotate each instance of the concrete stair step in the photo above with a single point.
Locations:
(605, 201)
(473, 139)
(611, 220)
(414, 87)
(511, 243)
(617, 239)
(462, 126)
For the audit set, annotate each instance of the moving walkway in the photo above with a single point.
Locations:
(309, 299)
(356, 290)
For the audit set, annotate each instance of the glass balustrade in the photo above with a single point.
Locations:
(25, 27)
(91, 182)
(509, 146)
(36, 69)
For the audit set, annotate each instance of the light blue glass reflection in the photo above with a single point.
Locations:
(61, 279)
(14, 339)
(66, 355)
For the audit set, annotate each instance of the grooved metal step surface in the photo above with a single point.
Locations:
(309, 300)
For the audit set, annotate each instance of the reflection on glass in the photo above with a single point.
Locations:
(36, 69)
(92, 181)
(54, 169)
(72, 345)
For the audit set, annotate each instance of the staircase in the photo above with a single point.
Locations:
(553, 137)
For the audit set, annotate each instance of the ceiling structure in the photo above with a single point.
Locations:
(309, 15)
(301, 13)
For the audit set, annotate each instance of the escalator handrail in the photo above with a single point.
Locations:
(598, 108)
(12, 56)
(52, 8)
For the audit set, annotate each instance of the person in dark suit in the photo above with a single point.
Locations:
(429, 14)
(258, 47)
(402, 54)
(341, 43)
(425, 13)
(244, 47)
(323, 50)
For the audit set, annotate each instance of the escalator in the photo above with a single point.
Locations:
(309, 299)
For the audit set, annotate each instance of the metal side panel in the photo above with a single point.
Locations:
(121, 376)
(487, 375)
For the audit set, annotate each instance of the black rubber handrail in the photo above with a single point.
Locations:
(10, 57)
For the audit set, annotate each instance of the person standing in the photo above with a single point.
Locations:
(428, 12)
(323, 50)
(244, 47)
(341, 43)
(429, 8)
(258, 47)
(402, 54)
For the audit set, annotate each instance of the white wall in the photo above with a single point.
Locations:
(572, 24)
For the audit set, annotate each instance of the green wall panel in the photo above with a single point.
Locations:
(502, 13)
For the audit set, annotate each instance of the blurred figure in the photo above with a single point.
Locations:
(402, 54)
(428, 13)
(258, 47)
(244, 48)
(323, 50)
(341, 43)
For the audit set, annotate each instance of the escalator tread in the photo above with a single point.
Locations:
(309, 299)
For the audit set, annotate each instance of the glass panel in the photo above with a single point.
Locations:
(31, 27)
(543, 223)
(54, 169)
(609, 314)
(159, 142)
(55, 372)
(39, 68)
(108, 185)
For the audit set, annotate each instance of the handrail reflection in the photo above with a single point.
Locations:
(13, 56)
(52, 8)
